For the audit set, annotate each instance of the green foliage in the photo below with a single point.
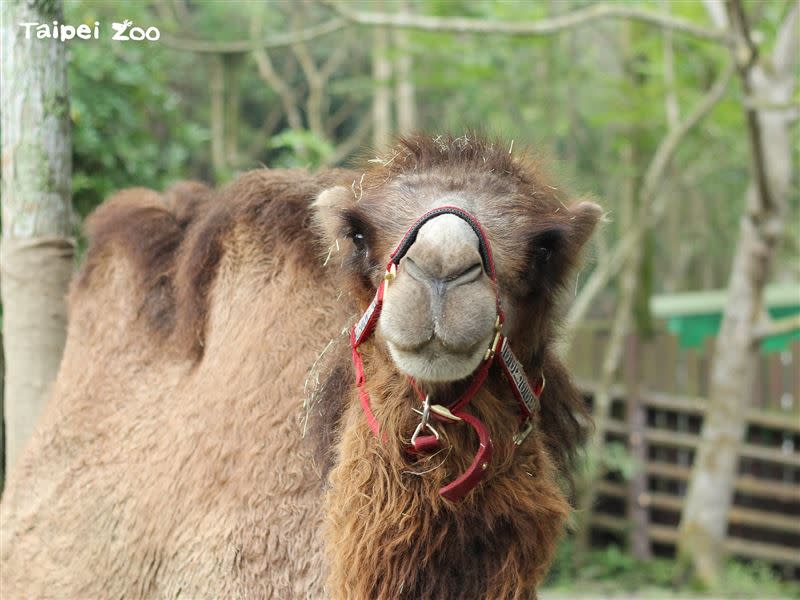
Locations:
(129, 128)
(141, 112)
(617, 459)
(300, 148)
(613, 570)
(614, 459)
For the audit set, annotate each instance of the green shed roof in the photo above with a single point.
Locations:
(694, 316)
(713, 301)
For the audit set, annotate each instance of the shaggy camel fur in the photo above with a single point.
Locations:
(204, 438)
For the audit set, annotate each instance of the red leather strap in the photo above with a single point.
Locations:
(425, 443)
(466, 482)
(366, 324)
(361, 382)
(477, 381)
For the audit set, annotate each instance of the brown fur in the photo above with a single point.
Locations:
(205, 337)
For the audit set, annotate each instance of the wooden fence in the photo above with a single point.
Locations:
(657, 413)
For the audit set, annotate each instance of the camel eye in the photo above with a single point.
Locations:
(359, 241)
(545, 244)
(543, 253)
(356, 228)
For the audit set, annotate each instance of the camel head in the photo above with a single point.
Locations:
(439, 311)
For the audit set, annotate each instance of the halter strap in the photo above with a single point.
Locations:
(527, 397)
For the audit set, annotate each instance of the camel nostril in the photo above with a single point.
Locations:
(415, 271)
(468, 275)
(456, 277)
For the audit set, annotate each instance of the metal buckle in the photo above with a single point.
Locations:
(390, 274)
(523, 433)
(492, 349)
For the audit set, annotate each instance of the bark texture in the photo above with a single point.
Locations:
(382, 96)
(37, 249)
(217, 90)
(771, 80)
(404, 86)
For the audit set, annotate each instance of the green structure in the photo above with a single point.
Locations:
(694, 316)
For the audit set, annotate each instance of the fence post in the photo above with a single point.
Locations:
(636, 415)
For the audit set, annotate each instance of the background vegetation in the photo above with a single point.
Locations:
(594, 101)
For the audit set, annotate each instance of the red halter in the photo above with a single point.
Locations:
(527, 397)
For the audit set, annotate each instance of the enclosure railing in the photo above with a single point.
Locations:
(666, 386)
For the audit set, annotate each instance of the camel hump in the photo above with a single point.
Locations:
(154, 256)
(185, 198)
(141, 230)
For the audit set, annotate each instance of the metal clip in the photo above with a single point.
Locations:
(443, 411)
(425, 421)
(523, 433)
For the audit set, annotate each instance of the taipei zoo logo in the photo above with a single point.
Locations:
(123, 32)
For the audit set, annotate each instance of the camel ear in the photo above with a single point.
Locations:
(328, 209)
(585, 216)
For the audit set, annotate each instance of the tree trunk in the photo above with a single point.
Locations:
(37, 249)
(217, 90)
(601, 413)
(2, 420)
(231, 134)
(381, 100)
(636, 417)
(404, 88)
(704, 520)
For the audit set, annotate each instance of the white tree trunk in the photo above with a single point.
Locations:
(704, 520)
(37, 249)
(217, 90)
(404, 87)
(382, 97)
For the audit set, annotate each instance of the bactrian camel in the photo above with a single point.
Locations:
(332, 385)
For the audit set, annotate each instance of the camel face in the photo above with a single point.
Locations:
(439, 312)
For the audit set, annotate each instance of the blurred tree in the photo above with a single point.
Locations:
(769, 82)
(382, 99)
(404, 85)
(37, 247)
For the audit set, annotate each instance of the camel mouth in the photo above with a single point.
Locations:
(434, 362)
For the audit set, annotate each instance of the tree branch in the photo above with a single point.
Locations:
(268, 73)
(240, 47)
(716, 12)
(787, 43)
(315, 82)
(777, 327)
(654, 205)
(547, 26)
(350, 145)
(746, 54)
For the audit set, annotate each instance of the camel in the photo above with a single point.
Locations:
(331, 385)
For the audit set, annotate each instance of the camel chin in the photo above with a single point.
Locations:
(435, 364)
